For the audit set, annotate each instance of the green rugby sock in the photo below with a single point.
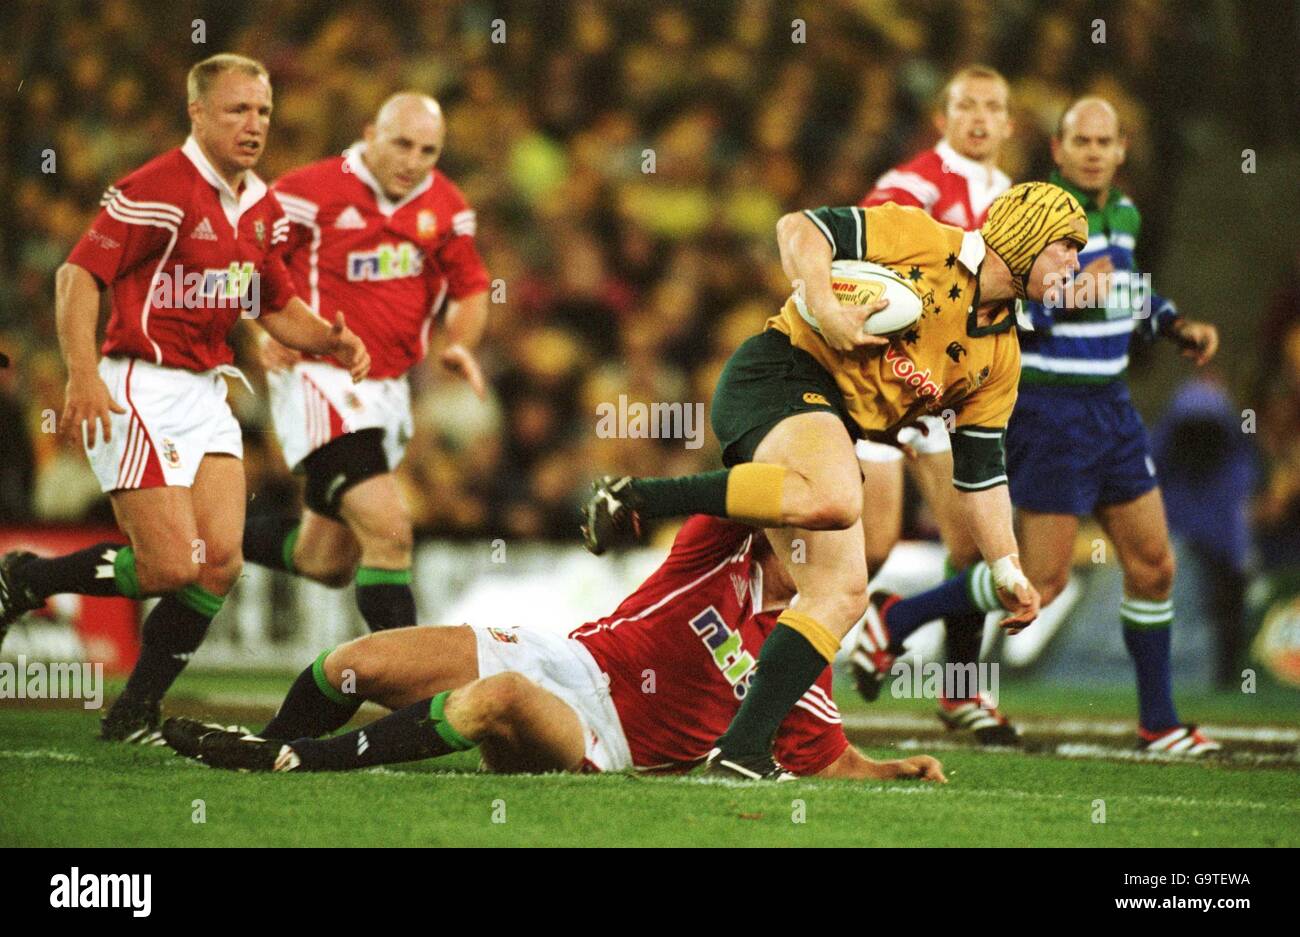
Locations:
(412, 734)
(313, 707)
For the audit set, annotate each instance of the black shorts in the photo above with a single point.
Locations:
(341, 464)
(766, 380)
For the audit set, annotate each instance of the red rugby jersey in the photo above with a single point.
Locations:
(183, 257)
(680, 652)
(950, 187)
(387, 265)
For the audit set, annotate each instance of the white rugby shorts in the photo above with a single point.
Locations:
(313, 403)
(173, 418)
(924, 443)
(565, 668)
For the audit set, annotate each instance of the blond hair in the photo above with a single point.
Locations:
(204, 73)
(970, 71)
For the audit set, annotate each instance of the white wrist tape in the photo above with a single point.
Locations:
(1007, 574)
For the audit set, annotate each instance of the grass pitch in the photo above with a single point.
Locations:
(62, 787)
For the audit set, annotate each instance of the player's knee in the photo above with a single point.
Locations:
(219, 571)
(833, 510)
(336, 575)
(1051, 583)
(162, 573)
(387, 540)
(500, 697)
(360, 663)
(1152, 577)
(848, 600)
(335, 568)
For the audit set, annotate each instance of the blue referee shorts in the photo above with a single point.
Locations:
(1073, 449)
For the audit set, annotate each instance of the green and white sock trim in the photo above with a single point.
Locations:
(327, 689)
(455, 741)
(979, 585)
(1145, 614)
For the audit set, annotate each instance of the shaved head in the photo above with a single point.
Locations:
(1089, 146)
(404, 142)
(408, 109)
(1093, 111)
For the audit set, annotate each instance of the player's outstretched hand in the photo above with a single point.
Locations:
(1199, 341)
(842, 325)
(88, 402)
(348, 350)
(918, 767)
(924, 768)
(460, 361)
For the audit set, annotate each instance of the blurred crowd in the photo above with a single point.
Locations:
(627, 160)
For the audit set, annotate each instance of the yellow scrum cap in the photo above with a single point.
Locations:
(1025, 219)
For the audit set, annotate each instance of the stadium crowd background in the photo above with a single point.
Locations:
(611, 279)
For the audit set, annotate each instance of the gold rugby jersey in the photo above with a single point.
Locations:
(935, 365)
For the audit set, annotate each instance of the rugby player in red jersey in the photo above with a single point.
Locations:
(649, 687)
(382, 233)
(186, 246)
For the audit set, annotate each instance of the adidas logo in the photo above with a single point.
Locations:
(363, 743)
(741, 585)
(203, 231)
(349, 218)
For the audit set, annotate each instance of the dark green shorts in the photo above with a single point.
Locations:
(766, 380)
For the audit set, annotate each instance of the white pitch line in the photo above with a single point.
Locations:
(1083, 750)
(910, 722)
(41, 753)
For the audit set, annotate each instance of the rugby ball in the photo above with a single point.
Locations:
(859, 282)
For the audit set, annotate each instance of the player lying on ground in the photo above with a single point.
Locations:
(955, 182)
(649, 687)
(791, 401)
(186, 246)
(1076, 445)
(382, 233)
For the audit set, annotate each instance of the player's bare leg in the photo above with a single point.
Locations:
(520, 727)
(377, 516)
(429, 677)
(1046, 549)
(186, 544)
(398, 667)
(160, 525)
(882, 488)
(219, 499)
(325, 550)
(821, 546)
(1140, 533)
(963, 633)
(370, 544)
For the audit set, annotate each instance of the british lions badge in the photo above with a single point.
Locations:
(426, 223)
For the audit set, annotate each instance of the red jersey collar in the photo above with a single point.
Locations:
(357, 166)
(234, 205)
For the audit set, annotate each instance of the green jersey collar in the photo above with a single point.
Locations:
(1087, 201)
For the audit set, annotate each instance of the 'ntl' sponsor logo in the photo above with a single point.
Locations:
(386, 262)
